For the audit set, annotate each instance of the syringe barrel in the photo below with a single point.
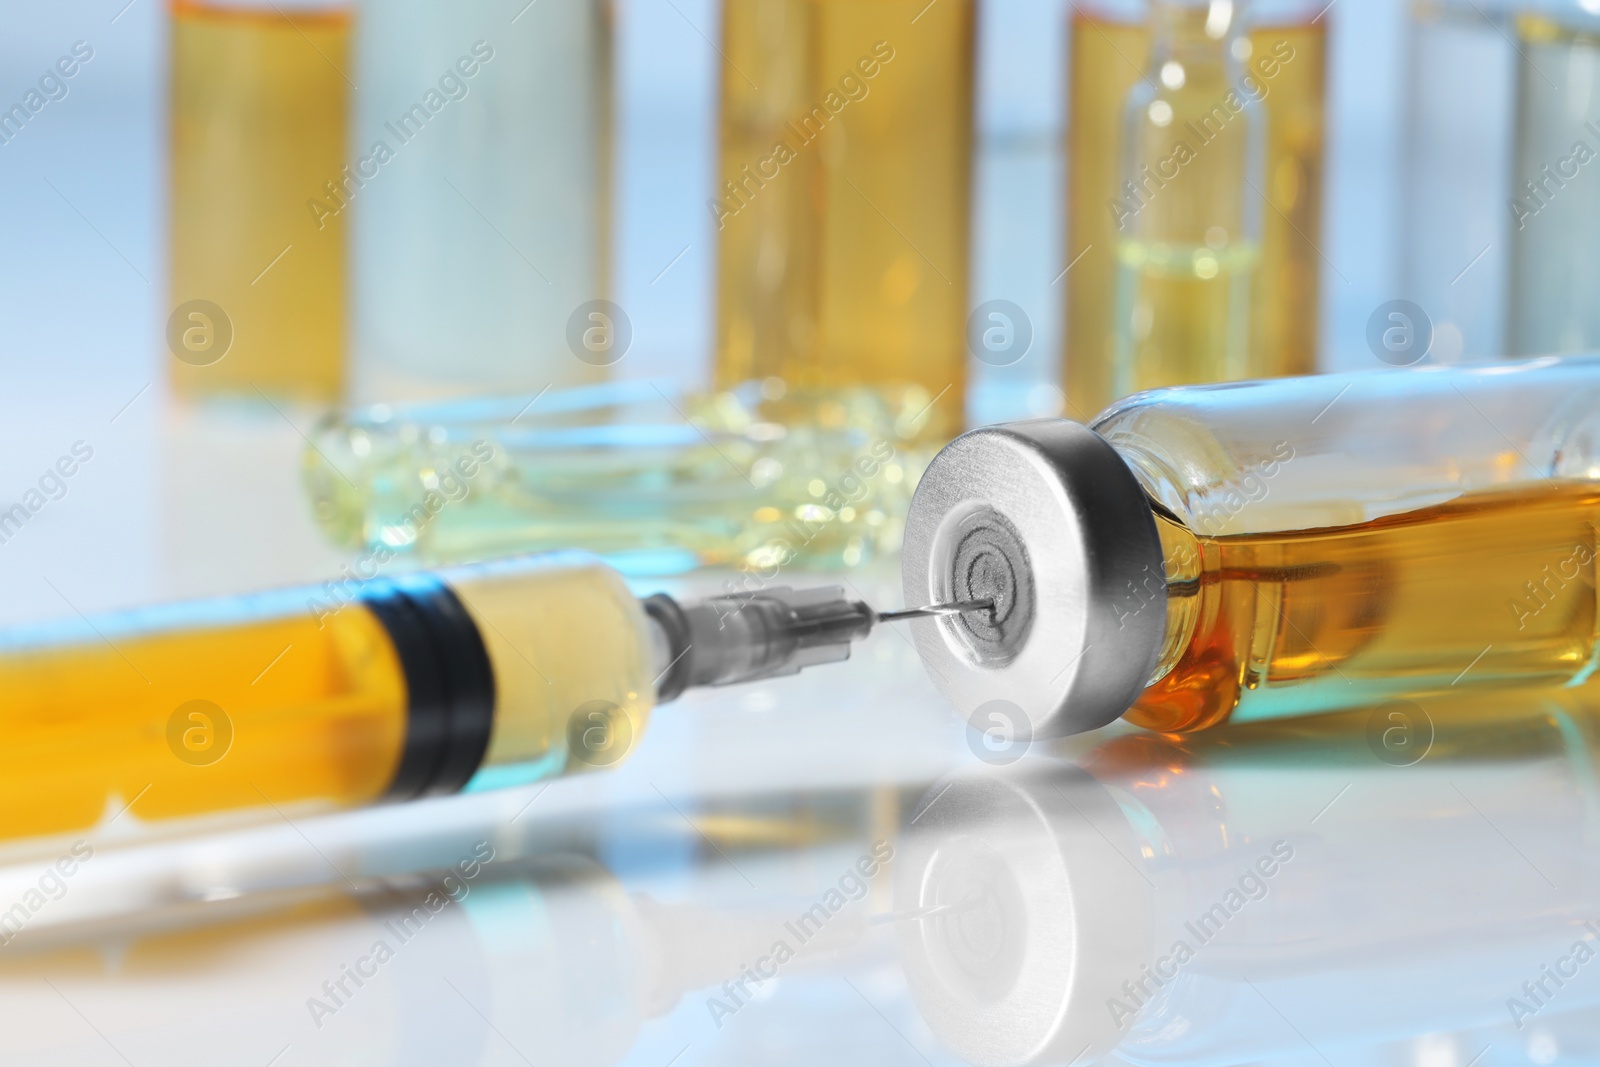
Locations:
(338, 694)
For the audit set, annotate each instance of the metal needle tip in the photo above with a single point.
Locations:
(935, 610)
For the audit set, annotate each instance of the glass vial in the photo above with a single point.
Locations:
(478, 184)
(1214, 554)
(1460, 95)
(259, 101)
(1499, 189)
(842, 210)
(1194, 193)
(1555, 178)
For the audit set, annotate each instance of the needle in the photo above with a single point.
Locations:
(935, 610)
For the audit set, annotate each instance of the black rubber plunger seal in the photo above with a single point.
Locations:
(449, 684)
(668, 614)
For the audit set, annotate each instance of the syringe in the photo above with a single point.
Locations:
(387, 689)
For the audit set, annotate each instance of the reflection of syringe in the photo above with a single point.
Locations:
(404, 688)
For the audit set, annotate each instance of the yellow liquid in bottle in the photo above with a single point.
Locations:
(1494, 588)
(293, 712)
(1185, 311)
(258, 127)
(842, 257)
(1185, 326)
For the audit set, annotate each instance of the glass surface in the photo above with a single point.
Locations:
(1393, 886)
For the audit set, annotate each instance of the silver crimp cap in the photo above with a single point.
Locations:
(1047, 520)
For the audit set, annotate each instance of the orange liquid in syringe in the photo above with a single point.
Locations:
(94, 723)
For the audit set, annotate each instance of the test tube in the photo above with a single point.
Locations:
(257, 286)
(1217, 554)
(842, 202)
(1193, 186)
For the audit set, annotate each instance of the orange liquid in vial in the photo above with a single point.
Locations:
(1494, 588)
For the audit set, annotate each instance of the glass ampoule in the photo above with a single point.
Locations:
(1279, 51)
(1231, 553)
(1188, 238)
(653, 480)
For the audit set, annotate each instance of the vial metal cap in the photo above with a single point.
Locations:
(1047, 520)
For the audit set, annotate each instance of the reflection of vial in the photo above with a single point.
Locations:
(1169, 898)
(259, 97)
(1166, 267)
(480, 146)
(843, 197)
(1268, 549)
